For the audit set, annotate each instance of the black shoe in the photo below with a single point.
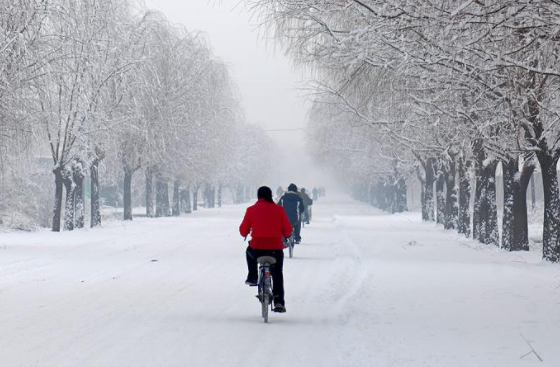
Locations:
(298, 242)
(251, 283)
(280, 308)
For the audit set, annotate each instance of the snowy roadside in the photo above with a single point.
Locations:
(364, 289)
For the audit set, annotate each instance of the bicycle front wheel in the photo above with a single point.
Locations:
(265, 302)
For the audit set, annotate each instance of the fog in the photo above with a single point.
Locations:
(271, 88)
(269, 85)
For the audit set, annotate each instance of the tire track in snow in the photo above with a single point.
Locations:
(349, 261)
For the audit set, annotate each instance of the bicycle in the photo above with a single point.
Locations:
(289, 243)
(264, 283)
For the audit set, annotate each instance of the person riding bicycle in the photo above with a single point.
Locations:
(268, 225)
(307, 202)
(293, 205)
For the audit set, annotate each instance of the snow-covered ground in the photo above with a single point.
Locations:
(364, 289)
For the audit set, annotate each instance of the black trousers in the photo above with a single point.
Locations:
(277, 270)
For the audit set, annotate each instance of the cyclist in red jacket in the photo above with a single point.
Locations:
(268, 225)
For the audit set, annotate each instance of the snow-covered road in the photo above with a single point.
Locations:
(364, 289)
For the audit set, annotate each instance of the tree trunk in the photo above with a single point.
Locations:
(440, 182)
(205, 195)
(79, 196)
(429, 190)
(195, 198)
(481, 208)
(477, 220)
(95, 204)
(551, 225)
(423, 198)
(387, 196)
(520, 222)
(185, 201)
(492, 233)
(209, 193)
(400, 196)
(176, 209)
(57, 212)
(127, 193)
(464, 220)
(69, 205)
(188, 205)
(421, 175)
(533, 191)
(212, 196)
(451, 212)
(382, 197)
(479, 191)
(220, 196)
(149, 192)
(166, 204)
(159, 200)
(161, 207)
(510, 170)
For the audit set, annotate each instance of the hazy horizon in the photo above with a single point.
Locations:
(267, 81)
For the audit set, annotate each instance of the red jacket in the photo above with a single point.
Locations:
(268, 224)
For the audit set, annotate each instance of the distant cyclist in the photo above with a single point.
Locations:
(307, 202)
(268, 225)
(293, 205)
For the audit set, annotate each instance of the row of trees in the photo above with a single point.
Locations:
(444, 90)
(98, 84)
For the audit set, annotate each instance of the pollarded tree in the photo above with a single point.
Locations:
(77, 38)
(120, 50)
(158, 95)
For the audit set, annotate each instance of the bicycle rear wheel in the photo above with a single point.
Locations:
(265, 302)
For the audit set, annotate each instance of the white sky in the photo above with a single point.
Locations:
(268, 84)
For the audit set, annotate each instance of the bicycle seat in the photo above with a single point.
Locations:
(266, 259)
